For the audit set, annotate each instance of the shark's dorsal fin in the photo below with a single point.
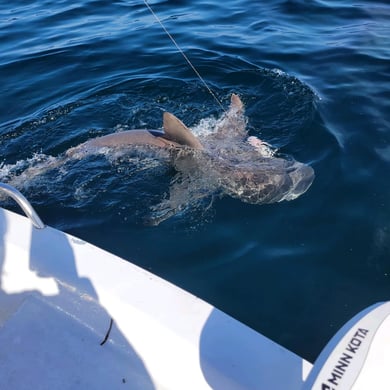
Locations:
(175, 130)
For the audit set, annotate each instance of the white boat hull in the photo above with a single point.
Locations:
(75, 316)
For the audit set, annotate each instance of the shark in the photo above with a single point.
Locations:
(225, 162)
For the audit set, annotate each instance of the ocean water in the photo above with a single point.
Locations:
(315, 79)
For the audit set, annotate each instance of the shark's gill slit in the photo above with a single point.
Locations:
(181, 51)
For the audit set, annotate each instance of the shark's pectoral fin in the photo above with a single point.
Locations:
(175, 130)
(185, 192)
(173, 204)
(160, 213)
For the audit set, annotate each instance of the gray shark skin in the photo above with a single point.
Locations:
(123, 139)
(175, 135)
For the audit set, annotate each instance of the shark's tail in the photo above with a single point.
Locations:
(23, 172)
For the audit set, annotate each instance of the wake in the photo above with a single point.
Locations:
(24, 171)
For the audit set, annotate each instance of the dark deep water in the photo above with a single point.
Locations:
(315, 79)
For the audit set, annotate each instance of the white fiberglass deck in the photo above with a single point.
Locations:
(74, 316)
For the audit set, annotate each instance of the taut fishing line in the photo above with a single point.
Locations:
(183, 54)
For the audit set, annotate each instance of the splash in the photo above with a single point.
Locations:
(205, 127)
(23, 172)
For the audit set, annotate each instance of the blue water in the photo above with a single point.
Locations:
(315, 79)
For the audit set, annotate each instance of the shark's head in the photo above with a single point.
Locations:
(301, 176)
(268, 181)
(234, 163)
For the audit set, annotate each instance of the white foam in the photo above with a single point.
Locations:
(205, 127)
(278, 72)
(264, 148)
(21, 173)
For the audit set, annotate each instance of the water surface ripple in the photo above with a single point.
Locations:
(315, 79)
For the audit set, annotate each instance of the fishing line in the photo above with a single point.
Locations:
(183, 54)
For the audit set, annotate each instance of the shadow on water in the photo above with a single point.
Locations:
(54, 323)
